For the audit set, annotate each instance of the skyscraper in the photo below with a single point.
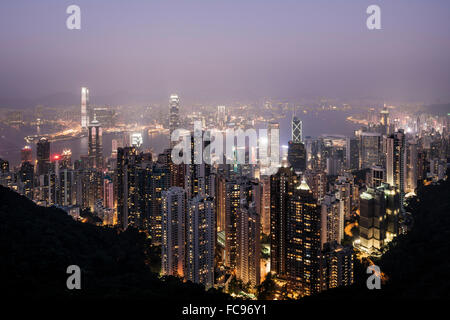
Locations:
(352, 153)
(297, 156)
(95, 150)
(332, 220)
(173, 245)
(84, 107)
(128, 195)
(221, 116)
(239, 190)
(26, 179)
(372, 220)
(26, 154)
(303, 246)
(282, 186)
(396, 162)
(297, 130)
(200, 241)
(248, 246)
(384, 113)
(43, 156)
(369, 149)
(174, 113)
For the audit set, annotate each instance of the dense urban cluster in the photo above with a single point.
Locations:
(332, 200)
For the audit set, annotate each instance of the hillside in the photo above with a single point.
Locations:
(37, 244)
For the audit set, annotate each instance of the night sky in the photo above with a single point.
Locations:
(226, 49)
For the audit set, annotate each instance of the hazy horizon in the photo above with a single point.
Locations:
(224, 50)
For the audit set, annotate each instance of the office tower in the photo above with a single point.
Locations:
(174, 113)
(332, 219)
(272, 127)
(344, 193)
(248, 244)
(173, 245)
(396, 162)
(26, 179)
(108, 192)
(372, 220)
(337, 266)
(115, 144)
(297, 156)
(377, 176)
(333, 166)
(411, 167)
(84, 107)
(197, 177)
(65, 184)
(265, 208)
(66, 159)
(26, 154)
(43, 156)
(220, 202)
(297, 130)
(200, 241)
(95, 147)
(392, 205)
(89, 187)
(238, 190)
(384, 113)
(352, 153)
(128, 195)
(159, 182)
(369, 149)
(282, 186)
(303, 245)
(221, 116)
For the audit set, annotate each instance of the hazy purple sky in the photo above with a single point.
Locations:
(226, 49)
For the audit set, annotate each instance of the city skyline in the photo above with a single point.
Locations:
(225, 151)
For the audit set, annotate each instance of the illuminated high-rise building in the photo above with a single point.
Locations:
(372, 220)
(84, 107)
(297, 130)
(282, 186)
(173, 244)
(337, 266)
(412, 167)
(174, 113)
(238, 190)
(95, 147)
(200, 240)
(265, 205)
(248, 246)
(221, 116)
(384, 113)
(370, 149)
(303, 240)
(332, 220)
(66, 159)
(128, 195)
(26, 154)
(396, 162)
(26, 179)
(108, 192)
